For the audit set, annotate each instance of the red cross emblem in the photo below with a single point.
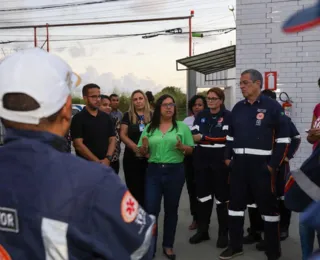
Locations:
(129, 207)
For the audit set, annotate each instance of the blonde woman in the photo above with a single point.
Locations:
(132, 125)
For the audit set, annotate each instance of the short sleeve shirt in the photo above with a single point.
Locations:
(116, 114)
(94, 130)
(189, 121)
(134, 130)
(162, 147)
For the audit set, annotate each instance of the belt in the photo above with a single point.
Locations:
(212, 145)
(252, 151)
(166, 165)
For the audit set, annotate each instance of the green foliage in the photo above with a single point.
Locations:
(202, 93)
(77, 100)
(124, 100)
(179, 97)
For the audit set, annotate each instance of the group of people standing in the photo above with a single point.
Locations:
(82, 209)
(155, 146)
(238, 159)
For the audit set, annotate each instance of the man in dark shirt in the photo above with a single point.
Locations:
(92, 131)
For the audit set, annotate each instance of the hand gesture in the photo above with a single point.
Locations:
(145, 146)
(314, 132)
(179, 144)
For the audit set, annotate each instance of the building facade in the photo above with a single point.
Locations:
(296, 57)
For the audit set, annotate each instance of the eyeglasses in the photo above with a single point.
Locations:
(212, 99)
(169, 105)
(246, 82)
(95, 97)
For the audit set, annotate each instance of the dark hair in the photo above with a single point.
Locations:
(193, 100)
(113, 95)
(220, 93)
(24, 103)
(269, 93)
(150, 96)
(105, 97)
(254, 75)
(86, 88)
(155, 120)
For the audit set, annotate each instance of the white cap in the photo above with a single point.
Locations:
(41, 75)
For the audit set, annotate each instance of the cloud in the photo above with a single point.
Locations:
(139, 54)
(81, 51)
(144, 6)
(121, 51)
(77, 51)
(109, 83)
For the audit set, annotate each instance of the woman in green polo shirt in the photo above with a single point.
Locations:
(165, 141)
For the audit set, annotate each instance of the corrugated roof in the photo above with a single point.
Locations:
(211, 62)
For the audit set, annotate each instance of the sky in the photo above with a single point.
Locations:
(120, 64)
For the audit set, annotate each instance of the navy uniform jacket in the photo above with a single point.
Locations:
(295, 140)
(213, 128)
(54, 205)
(259, 129)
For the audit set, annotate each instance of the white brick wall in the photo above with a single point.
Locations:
(296, 57)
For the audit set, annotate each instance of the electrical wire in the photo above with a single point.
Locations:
(152, 34)
(109, 10)
(44, 7)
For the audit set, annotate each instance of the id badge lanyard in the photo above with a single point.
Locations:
(141, 123)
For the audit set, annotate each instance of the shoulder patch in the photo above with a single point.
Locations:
(129, 208)
(4, 254)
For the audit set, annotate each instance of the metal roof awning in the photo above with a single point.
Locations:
(210, 62)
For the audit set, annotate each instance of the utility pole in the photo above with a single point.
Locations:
(47, 26)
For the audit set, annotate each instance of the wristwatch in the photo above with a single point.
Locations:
(109, 157)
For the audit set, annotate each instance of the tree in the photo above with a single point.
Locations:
(176, 93)
(180, 99)
(77, 100)
(124, 102)
(202, 93)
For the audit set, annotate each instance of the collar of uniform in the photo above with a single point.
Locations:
(85, 111)
(258, 100)
(57, 142)
(219, 114)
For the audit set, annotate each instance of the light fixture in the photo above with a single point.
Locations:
(231, 9)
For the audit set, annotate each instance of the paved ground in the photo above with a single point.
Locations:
(207, 250)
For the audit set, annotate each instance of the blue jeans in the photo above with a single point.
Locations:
(165, 180)
(307, 240)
